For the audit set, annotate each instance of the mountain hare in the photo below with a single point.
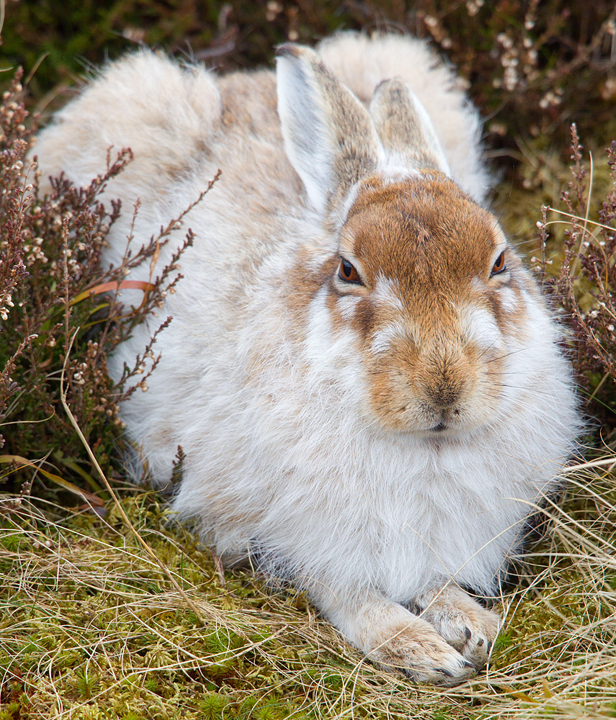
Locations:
(364, 378)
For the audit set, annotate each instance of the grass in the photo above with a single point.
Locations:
(92, 627)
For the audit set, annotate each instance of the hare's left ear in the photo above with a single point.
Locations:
(405, 129)
(329, 137)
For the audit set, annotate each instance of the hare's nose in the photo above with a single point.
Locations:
(446, 393)
(446, 380)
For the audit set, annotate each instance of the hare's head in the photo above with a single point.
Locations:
(419, 272)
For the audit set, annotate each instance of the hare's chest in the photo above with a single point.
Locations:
(441, 522)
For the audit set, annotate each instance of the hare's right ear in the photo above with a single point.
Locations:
(328, 135)
(405, 129)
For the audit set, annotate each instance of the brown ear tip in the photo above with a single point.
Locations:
(288, 50)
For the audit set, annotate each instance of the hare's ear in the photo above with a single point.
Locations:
(328, 135)
(404, 127)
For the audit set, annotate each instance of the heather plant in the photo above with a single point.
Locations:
(55, 296)
(586, 280)
(574, 255)
(12, 267)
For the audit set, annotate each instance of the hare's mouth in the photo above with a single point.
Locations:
(439, 428)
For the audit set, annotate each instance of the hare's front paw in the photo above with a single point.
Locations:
(418, 650)
(461, 621)
(395, 639)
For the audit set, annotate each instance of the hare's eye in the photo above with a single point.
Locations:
(348, 273)
(499, 265)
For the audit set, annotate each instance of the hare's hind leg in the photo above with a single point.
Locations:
(461, 621)
(394, 638)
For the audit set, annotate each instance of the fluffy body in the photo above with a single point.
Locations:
(381, 444)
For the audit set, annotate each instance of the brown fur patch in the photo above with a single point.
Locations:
(363, 318)
(248, 100)
(429, 242)
(425, 233)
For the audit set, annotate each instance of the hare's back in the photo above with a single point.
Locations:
(179, 122)
(144, 102)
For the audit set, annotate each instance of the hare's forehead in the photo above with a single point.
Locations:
(412, 232)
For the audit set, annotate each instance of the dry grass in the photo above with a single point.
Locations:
(92, 627)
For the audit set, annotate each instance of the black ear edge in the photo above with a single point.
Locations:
(288, 50)
(393, 80)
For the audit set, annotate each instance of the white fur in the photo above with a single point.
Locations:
(383, 339)
(283, 456)
(387, 292)
(430, 134)
(480, 327)
(312, 157)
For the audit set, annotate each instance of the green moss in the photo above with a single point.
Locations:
(10, 712)
(212, 706)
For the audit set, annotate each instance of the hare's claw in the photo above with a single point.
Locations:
(462, 622)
